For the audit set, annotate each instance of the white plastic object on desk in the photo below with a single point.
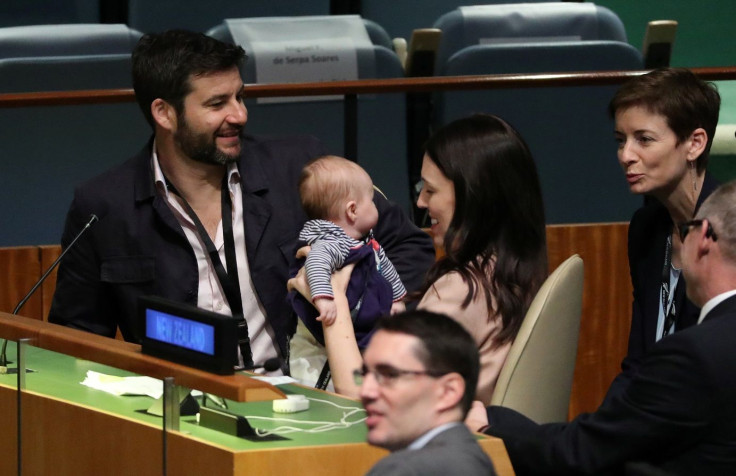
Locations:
(291, 404)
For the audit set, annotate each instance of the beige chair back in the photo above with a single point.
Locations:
(536, 378)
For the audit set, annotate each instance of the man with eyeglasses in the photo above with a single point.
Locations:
(418, 380)
(678, 413)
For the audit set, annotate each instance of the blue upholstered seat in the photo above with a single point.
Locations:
(48, 150)
(66, 40)
(198, 15)
(525, 22)
(38, 12)
(567, 128)
(401, 17)
(65, 57)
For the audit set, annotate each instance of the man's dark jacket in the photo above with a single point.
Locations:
(138, 247)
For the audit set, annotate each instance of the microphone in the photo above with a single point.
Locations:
(3, 354)
(274, 363)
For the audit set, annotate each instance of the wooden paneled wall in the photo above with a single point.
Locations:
(604, 327)
(606, 315)
(20, 268)
(48, 254)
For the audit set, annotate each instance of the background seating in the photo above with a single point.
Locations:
(525, 23)
(68, 144)
(39, 12)
(201, 15)
(381, 140)
(66, 57)
(567, 129)
(49, 150)
(401, 17)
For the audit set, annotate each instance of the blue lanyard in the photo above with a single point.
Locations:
(669, 315)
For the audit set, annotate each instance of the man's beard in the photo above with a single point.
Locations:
(201, 147)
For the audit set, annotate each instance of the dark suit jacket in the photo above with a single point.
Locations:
(138, 247)
(648, 233)
(678, 414)
(454, 451)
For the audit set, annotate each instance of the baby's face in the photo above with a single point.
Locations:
(366, 211)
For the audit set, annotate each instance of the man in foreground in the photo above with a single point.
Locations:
(417, 383)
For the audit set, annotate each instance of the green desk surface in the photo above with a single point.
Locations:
(59, 376)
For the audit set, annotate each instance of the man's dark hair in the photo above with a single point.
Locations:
(683, 99)
(446, 346)
(164, 63)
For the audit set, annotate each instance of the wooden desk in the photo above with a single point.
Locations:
(70, 429)
(62, 438)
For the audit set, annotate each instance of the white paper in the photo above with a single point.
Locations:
(279, 380)
(308, 61)
(304, 49)
(124, 385)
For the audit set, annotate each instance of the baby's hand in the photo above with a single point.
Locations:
(327, 311)
(398, 307)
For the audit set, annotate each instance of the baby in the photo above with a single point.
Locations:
(337, 196)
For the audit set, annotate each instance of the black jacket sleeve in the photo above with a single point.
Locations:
(410, 249)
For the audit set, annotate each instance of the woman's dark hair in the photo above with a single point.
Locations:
(498, 222)
(684, 100)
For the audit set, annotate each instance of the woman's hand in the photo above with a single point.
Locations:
(303, 252)
(341, 278)
(342, 348)
(477, 418)
(398, 307)
(340, 344)
(299, 282)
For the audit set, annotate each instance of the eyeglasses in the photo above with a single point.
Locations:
(386, 375)
(684, 228)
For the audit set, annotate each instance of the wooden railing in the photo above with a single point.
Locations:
(350, 90)
(370, 86)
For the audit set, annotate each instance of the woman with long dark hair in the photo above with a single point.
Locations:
(482, 194)
(483, 197)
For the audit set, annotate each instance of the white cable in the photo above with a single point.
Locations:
(334, 404)
(320, 426)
